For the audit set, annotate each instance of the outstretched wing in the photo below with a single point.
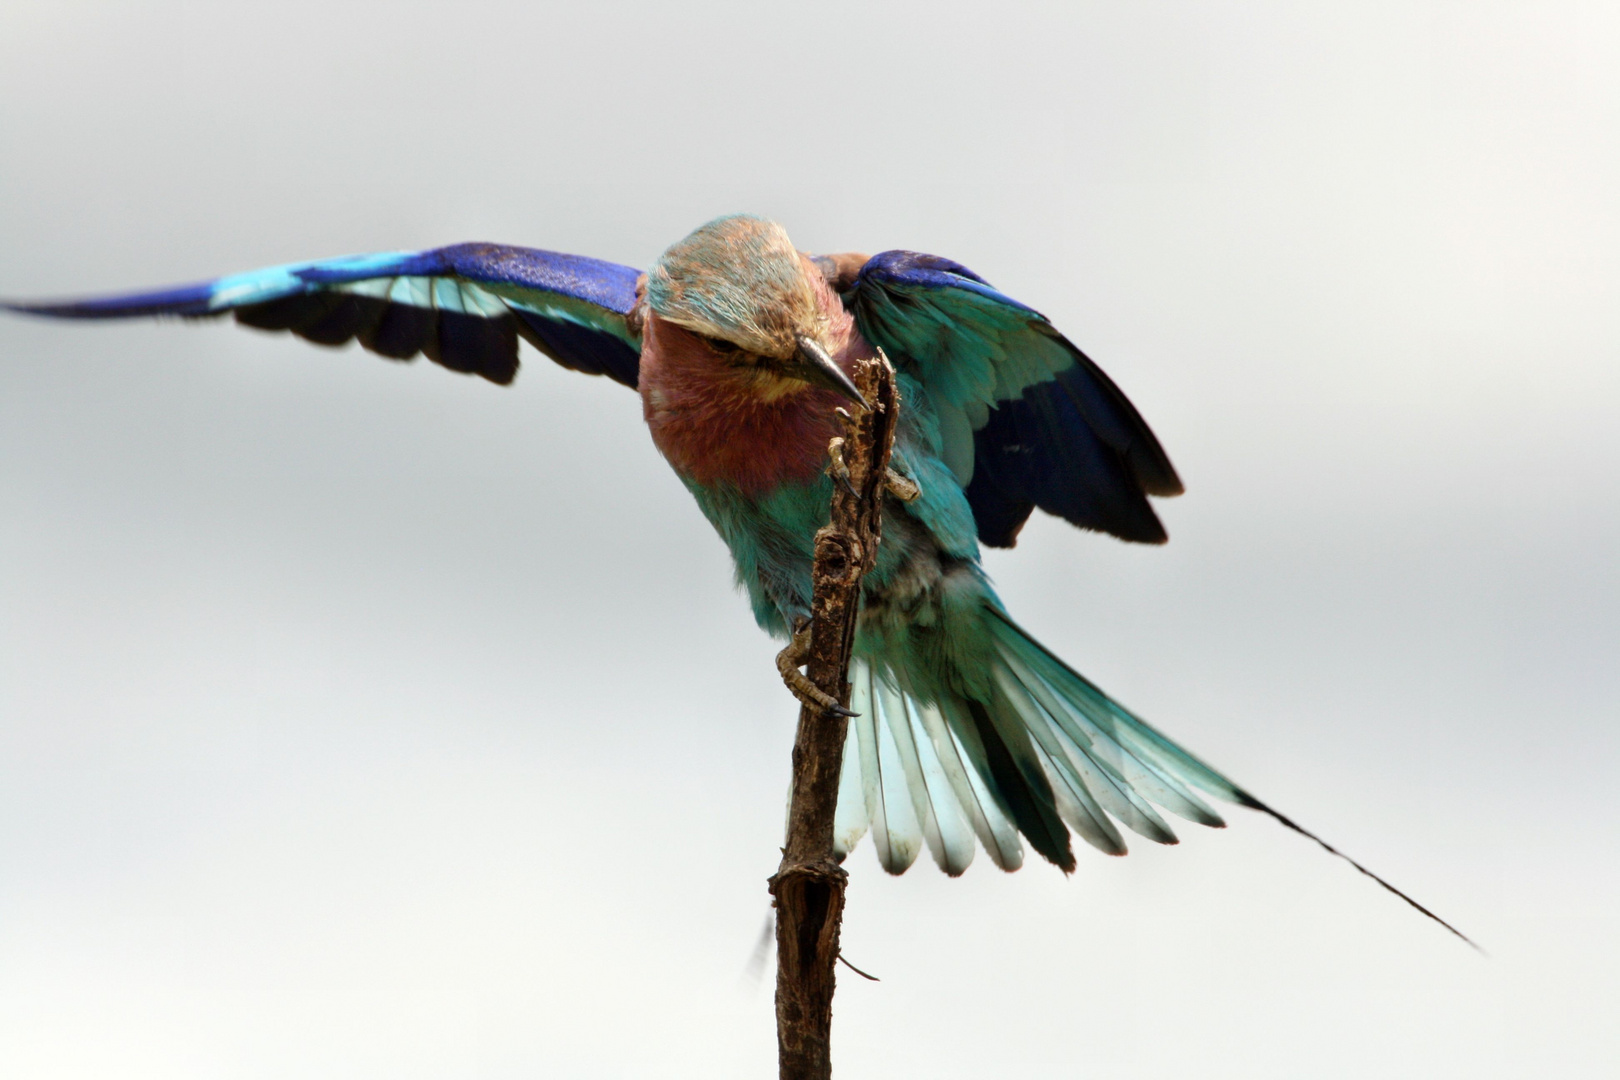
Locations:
(1025, 418)
(463, 307)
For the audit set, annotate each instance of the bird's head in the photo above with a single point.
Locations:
(739, 283)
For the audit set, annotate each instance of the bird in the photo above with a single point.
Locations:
(965, 732)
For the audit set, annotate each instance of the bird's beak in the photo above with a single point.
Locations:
(819, 369)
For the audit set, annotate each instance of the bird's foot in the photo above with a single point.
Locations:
(897, 484)
(837, 469)
(798, 683)
(901, 487)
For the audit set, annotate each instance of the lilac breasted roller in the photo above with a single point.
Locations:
(967, 730)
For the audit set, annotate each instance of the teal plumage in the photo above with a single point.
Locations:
(740, 346)
(950, 688)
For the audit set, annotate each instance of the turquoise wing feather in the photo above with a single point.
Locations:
(1021, 416)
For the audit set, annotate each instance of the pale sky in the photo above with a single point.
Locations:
(361, 720)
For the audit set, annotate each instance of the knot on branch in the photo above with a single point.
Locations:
(817, 871)
(839, 557)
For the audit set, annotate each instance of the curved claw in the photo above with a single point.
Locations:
(798, 683)
(837, 469)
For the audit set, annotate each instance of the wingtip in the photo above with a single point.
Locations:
(1166, 489)
(99, 308)
(1150, 530)
(1154, 471)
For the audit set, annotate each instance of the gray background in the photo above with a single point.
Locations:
(360, 720)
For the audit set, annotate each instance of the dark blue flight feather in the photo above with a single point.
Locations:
(463, 307)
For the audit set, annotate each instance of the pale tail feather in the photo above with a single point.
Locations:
(915, 780)
(1132, 754)
(850, 820)
(910, 779)
(895, 829)
(907, 779)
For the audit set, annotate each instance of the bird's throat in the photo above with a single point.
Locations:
(725, 424)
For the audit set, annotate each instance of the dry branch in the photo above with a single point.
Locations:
(808, 888)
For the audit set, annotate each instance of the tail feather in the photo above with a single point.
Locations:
(991, 821)
(1043, 749)
(851, 819)
(892, 704)
(998, 738)
(1255, 804)
(1046, 750)
(1130, 776)
(973, 807)
(1093, 782)
(896, 828)
(1108, 721)
(1076, 801)
(985, 816)
(898, 749)
(1080, 811)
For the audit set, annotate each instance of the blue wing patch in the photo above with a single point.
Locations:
(463, 307)
(1024, 418)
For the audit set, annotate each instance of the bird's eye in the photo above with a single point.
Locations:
(721, 345)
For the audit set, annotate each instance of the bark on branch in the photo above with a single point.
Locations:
(808, 888)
